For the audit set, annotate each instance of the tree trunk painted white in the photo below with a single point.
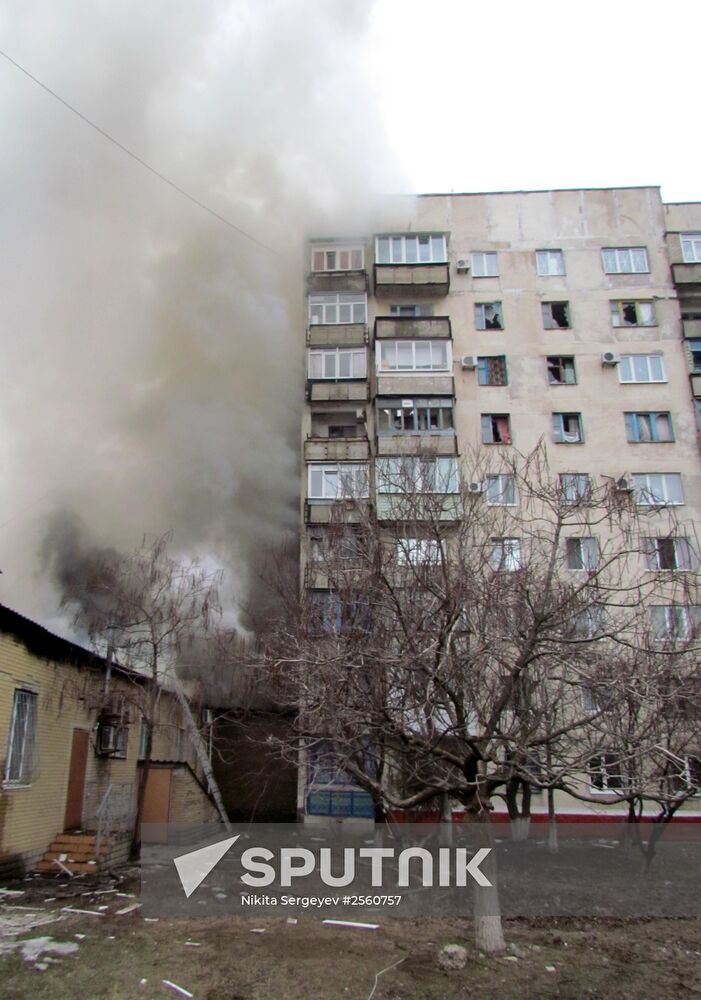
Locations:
(489, 934)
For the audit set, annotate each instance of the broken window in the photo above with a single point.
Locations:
(496, 428)
(501, 490)
(582, 553)
(417, 415)
(492, 370)
(550, 263)
(556, 315)
(427, 249)
(334, 257)
(695, 351)
(505, 554)
(575, 487)
(561, 370)
(337, 308)
(485, 265)
(567, 428)
(338, 424)
(649, 426)
(633, 313)
(668, 553)
(488, 316)
(21, 762)
(625, 260)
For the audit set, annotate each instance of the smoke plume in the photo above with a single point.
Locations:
(153, 356)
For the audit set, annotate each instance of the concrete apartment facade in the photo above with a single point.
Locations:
(570, 316)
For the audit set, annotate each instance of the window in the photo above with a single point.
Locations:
(505, 554)
(605, 773)
(418, 551)
(672, 622)
(485, 265)
(556, 315)
(338, 362)
(501, 490)
(413, 355)
(649, 426)
(668, 553)
(496, 428)
(336, 482)
(143, 737)
(21, 763)
(575, 487)
(567, 428)
(492, 371)
(589, 700)
(426, 249)
(550, 263)
(334, 257)
(417, 475)
(337, 308)
(488, 316)
(582, 553)
(625, 260)
(430, 415)
(657, 489)
(561, 370)
(589, 623)
(411, 310)
(695, 351)
(641, 368)
(691, 248)
(330, 614)
(632, 313)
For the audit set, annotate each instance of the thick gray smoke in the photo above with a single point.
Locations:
(152, 357)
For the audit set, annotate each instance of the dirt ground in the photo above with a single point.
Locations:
(125, 956)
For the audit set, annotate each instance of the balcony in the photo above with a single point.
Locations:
(696, 386)
(687, 274)
(337, 511)
(411, 280)
(337, 335)
(421, 384)
(337, 281)
(342, 391)
(692, 329)
(412, 327)
(345, 449)
(429, 507)
(416, 444)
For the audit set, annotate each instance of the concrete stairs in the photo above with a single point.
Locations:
(76, 852)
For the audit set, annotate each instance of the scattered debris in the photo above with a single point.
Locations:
(292, 920)
(79, 936)
(59, 862)
(92, 913)
(128, 909)
(11, 893)
(382, 972)
(257, 930)
(193, 944)
(178, 989)
(33, 948)
(452, 956)
(550, 968)
(509, 958)
(151, 920)
(352, 923)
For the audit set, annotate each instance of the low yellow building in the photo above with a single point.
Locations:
(71, 740)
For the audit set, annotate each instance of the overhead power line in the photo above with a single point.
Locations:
(136, 157)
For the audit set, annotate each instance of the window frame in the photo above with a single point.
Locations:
(558, 427)
(635, 420)
(488, 429)
(676, 615)
(420, 475)
(582, 497)
(617, 313)
(383, 346)
(549, 256)
(359, 471)
(480, 315)
(555, 302)
(327, 352)
(620, 260)
(324, 249)
(640, 491)
(627, 360)
(406, 240)
(419, 405)
(589, 561)
(690, 255)
(505, 555)
(684, 558)
(334, 300)
(484, 367)
(561, 360)
(509, 489)
(418, 552)
(486, 258)
(608, 759)
(26, 772)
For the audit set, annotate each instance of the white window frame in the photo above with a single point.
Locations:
(481, 315)
(356, 476)
(644, 312)
(691, 247)
(685, 558)
(505, 555)
(418, 551)
(356, 355)
(679, 621)
(570, 485)
(354, 262)
(485, 264)
(609, 760)
(407, 475)
(586, 552)
(627, 374)
(647, 494)
(384, 347)
(411, 248)
(502, 490)
(623, 260)
(550, 263)
(416, 409)
(22, 740)
(325, 309)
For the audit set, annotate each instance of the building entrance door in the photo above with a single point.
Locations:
(76, 780)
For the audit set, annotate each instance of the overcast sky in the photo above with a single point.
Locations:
(511, 95)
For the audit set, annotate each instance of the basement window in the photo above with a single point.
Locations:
(488, 316)
(561, 370)
(556, 315)
(496, 428)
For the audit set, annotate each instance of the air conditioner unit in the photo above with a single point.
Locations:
(609, 358)
(475, 487)
(207, 716)
(468, 361)
(360, 416)
(624, 485)
(463, 265)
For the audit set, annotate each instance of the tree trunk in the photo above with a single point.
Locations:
(553, 845)
(489, 934)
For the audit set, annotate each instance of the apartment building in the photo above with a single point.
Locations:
(495, 321)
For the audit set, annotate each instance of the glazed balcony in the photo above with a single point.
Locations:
(412, 327)
(411, 280)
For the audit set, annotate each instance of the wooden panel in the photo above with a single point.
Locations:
(157, 798)
(76, 780)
